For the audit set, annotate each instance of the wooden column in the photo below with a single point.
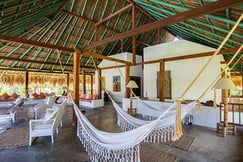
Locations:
(67, 82)
(133, 37)
(121, 45)
(99, 83)
(158, 40)
(162, 80)
(26, 84)
(84, 82)
(76, 69)
(91, 83)
(95, 61)
(225, 130)
(127, 79)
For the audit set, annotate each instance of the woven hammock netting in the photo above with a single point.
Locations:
(124, 146)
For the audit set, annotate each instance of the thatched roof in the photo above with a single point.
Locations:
(71, 23)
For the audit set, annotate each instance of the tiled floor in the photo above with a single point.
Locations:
(207, 146)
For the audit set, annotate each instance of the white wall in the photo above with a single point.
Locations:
(182, 71)
(109, 73)
(208, 117)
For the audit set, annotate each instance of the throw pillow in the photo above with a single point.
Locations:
(94, 97)
(35, 95)
(5, 96)
(14, 95)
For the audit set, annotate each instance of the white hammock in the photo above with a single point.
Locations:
(103, 146)
(165, 129)
(150, 110)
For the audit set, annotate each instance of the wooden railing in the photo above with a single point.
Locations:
(235, 113)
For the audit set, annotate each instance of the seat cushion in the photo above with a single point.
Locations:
(43, 128)
(85, 100)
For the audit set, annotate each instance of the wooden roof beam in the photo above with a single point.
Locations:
(183, 16)
(233, 62)
(34, 43)
(40, 62)
(45, 71)
(113, 15)
(142, 10)
(86, 53)
(204, 54)
(50, 46)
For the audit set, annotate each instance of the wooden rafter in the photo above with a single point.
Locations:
(183, 16)
(143, 43)
(114, 14)
(89, 20)
(142, 10)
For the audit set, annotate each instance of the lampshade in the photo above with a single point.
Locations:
(132, 84)
(225, 83)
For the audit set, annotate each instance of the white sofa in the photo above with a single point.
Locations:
(92, 104)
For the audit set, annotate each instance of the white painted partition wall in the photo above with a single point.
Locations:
(109, 73)
(182, 71)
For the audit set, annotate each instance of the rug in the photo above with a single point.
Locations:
(183, 143)
(148, 154)
(14, 137)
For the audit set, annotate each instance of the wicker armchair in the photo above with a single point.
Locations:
(17, 111)
(40, 109)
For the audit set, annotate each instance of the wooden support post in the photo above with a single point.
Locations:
(158, 40)
(178, 132)
(121, 45)
(127, 79)
(84, 82)
(67, 82)
(225, 130)
(26, 84)
(91, 83)
(99, 83)
(162, 80)
(95, 62)
(76, 69)
(133, 37)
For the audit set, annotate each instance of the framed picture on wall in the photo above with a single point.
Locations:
(117, 83)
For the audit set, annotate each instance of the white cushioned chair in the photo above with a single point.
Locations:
(48, 125)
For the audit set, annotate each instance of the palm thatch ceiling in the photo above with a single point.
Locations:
(71, 23)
